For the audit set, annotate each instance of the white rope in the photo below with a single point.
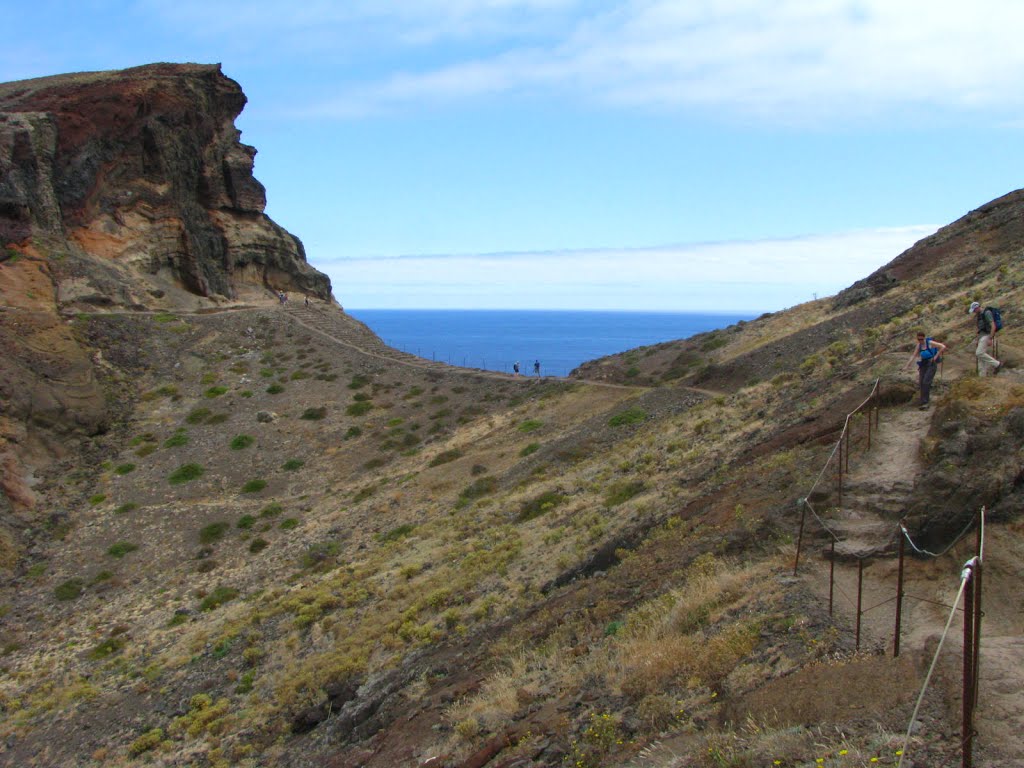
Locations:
(952, 544)
(968, 567)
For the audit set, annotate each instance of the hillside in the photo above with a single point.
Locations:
(236, 532)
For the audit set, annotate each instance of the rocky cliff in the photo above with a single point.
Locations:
(124, 190)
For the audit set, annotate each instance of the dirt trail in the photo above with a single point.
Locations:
(930, 587)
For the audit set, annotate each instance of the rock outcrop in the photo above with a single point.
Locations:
(142, 170)
(125, 190)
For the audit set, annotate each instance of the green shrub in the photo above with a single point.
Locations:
(292, 464)
(271, 510)
(396, 533)
(632, 415)
(258, 545)
(245, 522)
(147, 741)
(217, 418)
(69, 590)
(446, 456)
(479, 487)
(531, 448)
(130, 506)
(124, 469)
(102, 576)
(214, 532)
(314, 414)
(108, 647)
(530, 425)
(144, 450)
(121, 548)
(275, 389)
(353, 432)
(296, 375)
(240, 442)
(358, 381)
(186, 473)
(360, 408)
(197, 415)
(176, 440)
(621, 492)
(289, 523)
(213, 392)
(98, 498)
(254, 486)
(217, 598)
(539, 505)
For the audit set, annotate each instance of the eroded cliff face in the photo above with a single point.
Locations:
(124, 190)
(143, 169)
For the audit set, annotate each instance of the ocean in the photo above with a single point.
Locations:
(559, 339)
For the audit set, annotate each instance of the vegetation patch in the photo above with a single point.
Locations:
(127, 507)
(271, 510)
(69, 590)
(198, 415)
(314, 414)
(241, 442)
(107, 648)
(446, 456)
(254, 486)
(360, 408)
(358, 381)
(275, 389)
(245, 522)
(217, 598)
(479, 488)
(395, 534)
(98, 498)
(539, 505)
(213, 392)
(530, 425)
(121, 548)
(176, 440)
(186, 473)
(214, 532)
(292, 464)
(258, 545)
(632, 415)
(618, 493)
(124, 469)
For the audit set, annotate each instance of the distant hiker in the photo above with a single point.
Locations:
(280, 297)
(515, 368)
(989, 321)
(536, 367)
(306, 297)
(928, 353)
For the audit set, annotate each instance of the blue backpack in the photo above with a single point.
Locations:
(997, 318)
(929, 352)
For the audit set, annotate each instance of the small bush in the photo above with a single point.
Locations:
(130, 506)
(292, 464)
(629, 416)
(240, 442)
(254, 486)
(98, 498)
(358, 381)
(124, 469)
(217, 598)
(69, 590)
(289, 523)
(314, 414)
(147, 741)
(121, 548)
(108, 647)
(275, 389)
(446, 456)
(144, 450)
(538, 506)
(214, 532)
(258, 545)
(213, 392)
(176, 440)
(396, 533)
(353, 432)
(186, 473)
(530, 425)
(622, 492)
(245, 522)
(531, 448)
(479, 488)
(271, 510)
(198, 415)
(360, 408)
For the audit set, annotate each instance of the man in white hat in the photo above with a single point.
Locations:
(986, 335)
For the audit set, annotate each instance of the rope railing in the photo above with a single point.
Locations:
(970, 582)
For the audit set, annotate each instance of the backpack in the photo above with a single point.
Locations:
(929, 352)
(997, 318)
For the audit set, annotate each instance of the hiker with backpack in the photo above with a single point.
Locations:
(928, 353)
(989, 322)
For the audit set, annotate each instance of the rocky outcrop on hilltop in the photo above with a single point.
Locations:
(142, 170)
(124, 190)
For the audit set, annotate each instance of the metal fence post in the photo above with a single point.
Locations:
(899, 598)
(860, 595)
(840, 480)
(800, 536)
(968, 692)
(831, 576)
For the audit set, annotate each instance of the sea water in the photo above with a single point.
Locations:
(558, 339)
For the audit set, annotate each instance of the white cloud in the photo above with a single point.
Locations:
(744, 276)
(788, 60)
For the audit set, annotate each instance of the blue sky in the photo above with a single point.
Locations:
(642, 154)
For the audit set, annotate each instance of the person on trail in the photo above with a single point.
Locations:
(986, 336)
(536, 367)
(515, 368)
(307, 299)
(928, 353)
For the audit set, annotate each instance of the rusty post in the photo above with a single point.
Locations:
(848, 430)
(899, 597)
(831, 576)
(800, 535)
(871, 415)
(840, 476)
(977, 600)
(968, 691)
(860, 594)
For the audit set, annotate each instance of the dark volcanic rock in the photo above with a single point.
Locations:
(143, 167)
